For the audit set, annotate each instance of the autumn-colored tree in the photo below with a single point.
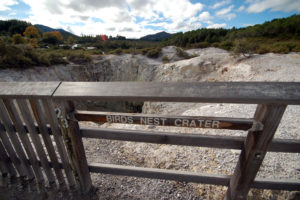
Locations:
(31, 32)
(57, 35)
(70, 40)
(18, 39)
(53, 37)
(33, 42)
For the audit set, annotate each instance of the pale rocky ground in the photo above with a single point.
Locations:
(210, 64)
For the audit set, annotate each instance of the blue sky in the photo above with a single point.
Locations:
(136, 18)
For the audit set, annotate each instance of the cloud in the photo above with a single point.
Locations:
(5, 4)
(241, 8)
(117, 16)
(217, 26)
(222, 3)
(257, 6)
(226, 13)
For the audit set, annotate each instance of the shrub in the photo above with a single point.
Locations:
(154, 53)
(18, 56)
(227, 45)
(53, 58)
(280, 48)
(263, 49)
(18, 39)
(244, 47)
(181, 53)
(165, 59)
(79, 57)
(117, 51)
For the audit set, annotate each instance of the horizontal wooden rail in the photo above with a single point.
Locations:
(28, 89)
(189, 176)
(159, 174)
(212, 141)
(164, 120)
(213, 92)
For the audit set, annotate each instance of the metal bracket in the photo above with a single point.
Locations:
(64, 121)
(257, 126)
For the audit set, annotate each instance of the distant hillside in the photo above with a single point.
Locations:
(43, 28)
(156, 37)
(13, 26)
(279, 36)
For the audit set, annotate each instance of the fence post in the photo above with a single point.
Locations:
(76, 149)
(254, 150)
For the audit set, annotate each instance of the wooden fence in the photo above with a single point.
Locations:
(39, 143)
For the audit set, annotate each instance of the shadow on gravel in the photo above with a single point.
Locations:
(18, 188)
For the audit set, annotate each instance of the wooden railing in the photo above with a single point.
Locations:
(30, 108)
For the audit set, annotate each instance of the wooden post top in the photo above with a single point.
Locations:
(213, 92)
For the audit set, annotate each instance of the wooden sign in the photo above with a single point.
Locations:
(177, 121)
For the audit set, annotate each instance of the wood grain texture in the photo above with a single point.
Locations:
(27, 89)
(222, 122)
(160, 174)
(41, 121)
(77, 152)
(36, 140)
(4, 117)
(291, 185)
(6, 164)
(22, 132)
(213, 92)
(212, 141)
(254, 150)
(11, 152)
(52, 120)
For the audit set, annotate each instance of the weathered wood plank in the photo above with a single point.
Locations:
(18, 125)
(40, 118)
(76, 150)
(52, 120)
(6, 162)
(272, 184)
(11, 152)
(4, 117)
(213, 141)
(254, 150)
(213, 92)
(27, 89)
(277, 184)
(160, 174)
(25, 112)
(164, 120)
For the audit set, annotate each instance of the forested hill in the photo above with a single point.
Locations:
(271, 33)
(156, 37)
(43, 29)
(11, 27)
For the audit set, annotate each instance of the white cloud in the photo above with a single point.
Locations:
(241, 8)
(5, 4)
(226, 13)
(221, 3)
(117, 16)
(217, 26)
(257, 6)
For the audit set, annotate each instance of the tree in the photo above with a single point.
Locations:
(245, 47)
(53, 37)
(57, 35)
(33, 42)
(70, 40)
(31, 32)
(18, 39)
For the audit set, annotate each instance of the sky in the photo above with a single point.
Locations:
(136, 18)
